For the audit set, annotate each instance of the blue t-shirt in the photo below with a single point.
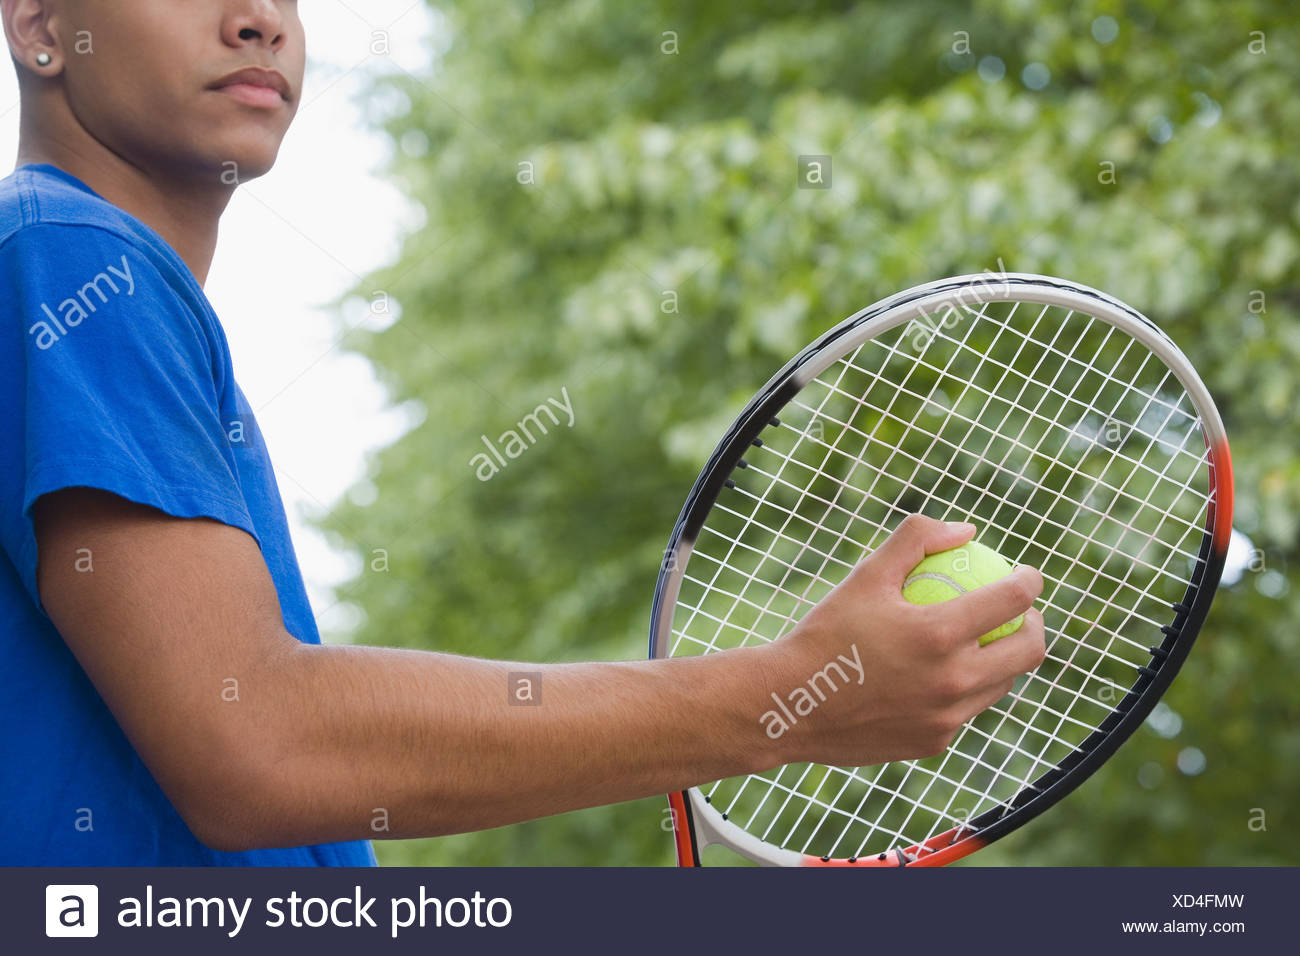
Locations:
(114, 374)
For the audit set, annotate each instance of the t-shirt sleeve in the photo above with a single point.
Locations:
(120, 389)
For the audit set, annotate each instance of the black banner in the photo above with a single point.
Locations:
(1095, 910)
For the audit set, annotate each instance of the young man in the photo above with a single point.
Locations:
(165, 698)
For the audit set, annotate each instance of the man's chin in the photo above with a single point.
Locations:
(237, 166)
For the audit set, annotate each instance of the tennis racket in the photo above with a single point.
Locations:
(1077, 438)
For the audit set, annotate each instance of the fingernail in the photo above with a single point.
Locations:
(960, 525)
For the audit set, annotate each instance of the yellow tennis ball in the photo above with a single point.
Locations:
(943, 576)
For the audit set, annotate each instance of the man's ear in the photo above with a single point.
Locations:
(32, 33)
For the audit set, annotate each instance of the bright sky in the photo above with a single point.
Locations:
(294, 241)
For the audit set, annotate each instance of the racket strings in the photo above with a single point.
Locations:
(789, 513)
(982, 358)
(1111, 635)
(789, 618)
(957, 429)
(848, 565)
(1015, 443)
(1036, 761)
(845, 565)
(802, 490)
(899, 792)
(919, 461)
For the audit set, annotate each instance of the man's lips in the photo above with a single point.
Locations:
(266, 89)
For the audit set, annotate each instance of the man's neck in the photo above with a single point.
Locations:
(185, 216)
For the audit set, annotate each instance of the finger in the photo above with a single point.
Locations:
(1019, 652)
(988, 607)
(974, 704)
(916, 537)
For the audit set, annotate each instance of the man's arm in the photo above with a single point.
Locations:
(260, 740)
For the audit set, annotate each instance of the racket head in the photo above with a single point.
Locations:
(1072, 431)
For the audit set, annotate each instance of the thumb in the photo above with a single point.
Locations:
(915, 538)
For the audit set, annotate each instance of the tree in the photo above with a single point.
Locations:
(616, 217)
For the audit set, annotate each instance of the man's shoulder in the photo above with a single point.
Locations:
(61, 243)
(42, 196)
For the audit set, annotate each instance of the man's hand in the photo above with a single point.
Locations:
(923, 673)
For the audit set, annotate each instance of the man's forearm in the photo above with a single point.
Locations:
(375, 742)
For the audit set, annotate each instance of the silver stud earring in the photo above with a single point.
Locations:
(44, 59)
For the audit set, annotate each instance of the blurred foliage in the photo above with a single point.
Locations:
(612, 209)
